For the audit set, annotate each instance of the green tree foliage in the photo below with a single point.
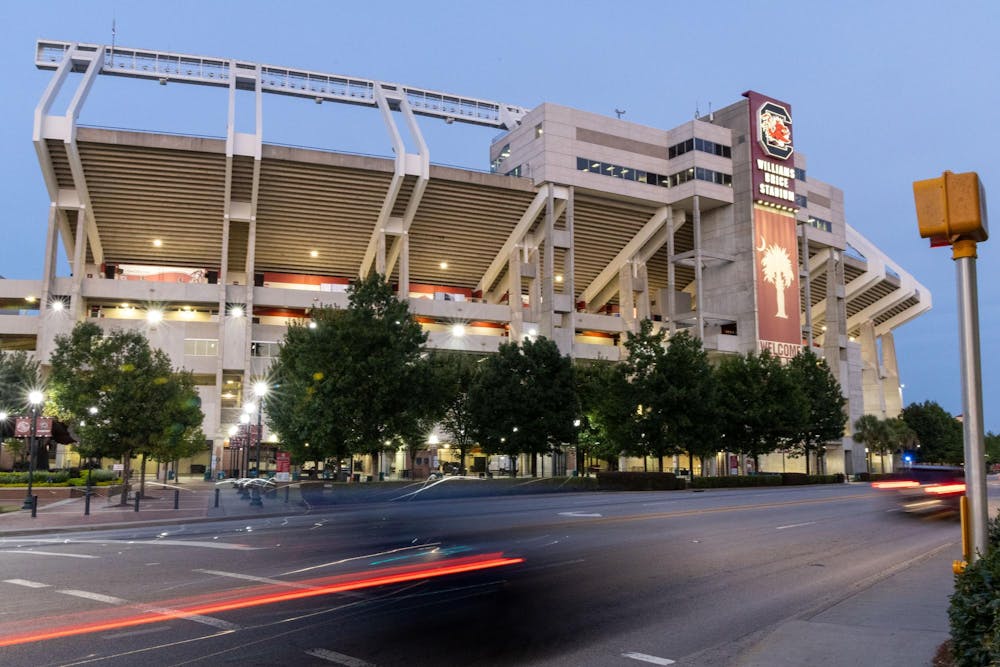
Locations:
(760, 409)
(938, 433)
(876, 434)
(690, 394)
(824, 418)
(19, 374)
(140, 405)
(458, 372)
(605, 400)
(351, 380)
(992, 443)
(524, 400)
(645, 368)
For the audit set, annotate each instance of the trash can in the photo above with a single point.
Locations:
(170, 474)
(221, 475)
(208, 475)
(381, 476)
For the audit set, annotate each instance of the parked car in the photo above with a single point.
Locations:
(922, 489)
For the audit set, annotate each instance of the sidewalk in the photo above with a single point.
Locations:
(196, 501)
(899, 621)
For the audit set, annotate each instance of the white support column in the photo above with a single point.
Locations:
(79, 267)
(640, 286)
(891, 388)
(51, 253)
(546, 276)
(626, 298)
(805, 273)
(698, 267)
(375, 252)
(671, 273)
(514, 295)
(871, 380)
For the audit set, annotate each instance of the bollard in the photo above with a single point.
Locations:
(137, 502)
(177, 498)
(216, 497)
(34, 506)
(286, 493)
(86, 505)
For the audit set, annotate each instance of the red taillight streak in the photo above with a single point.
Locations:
(466, 565)
(943, 489)
(897, 484)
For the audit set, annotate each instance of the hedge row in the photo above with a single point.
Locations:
(639, 481)
(54, 477)
(974, 612)
(776, 479)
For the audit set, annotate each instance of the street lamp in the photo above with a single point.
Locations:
(245, 444)
(260, 390)
(35, 398)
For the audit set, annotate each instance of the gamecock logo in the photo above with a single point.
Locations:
(774, 125)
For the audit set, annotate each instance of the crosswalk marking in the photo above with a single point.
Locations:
(339, 658)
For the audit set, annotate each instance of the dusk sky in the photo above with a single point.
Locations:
(883, 93)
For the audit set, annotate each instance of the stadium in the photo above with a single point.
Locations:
(584, 226)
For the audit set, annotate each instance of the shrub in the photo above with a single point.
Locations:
(734, 481)
(638, 481)
(974, 610)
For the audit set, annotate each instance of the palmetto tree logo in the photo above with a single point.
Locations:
(776, 266)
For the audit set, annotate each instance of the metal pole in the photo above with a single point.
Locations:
(972, 397)
(255, 500)
(28, 503)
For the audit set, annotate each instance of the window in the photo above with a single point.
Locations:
(703, 145)
(620, 171)
(800, 200)
(539, 131)
(819, 223)
(267, 349)
(201, 347)
(800, 174)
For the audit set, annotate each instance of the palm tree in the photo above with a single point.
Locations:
(876, 433)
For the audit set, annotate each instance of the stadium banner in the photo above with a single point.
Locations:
(776, 264)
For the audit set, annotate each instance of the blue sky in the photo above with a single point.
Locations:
(884, 93)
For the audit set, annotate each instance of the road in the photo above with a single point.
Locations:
(574, 579)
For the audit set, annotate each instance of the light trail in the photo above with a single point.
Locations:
(384, 577)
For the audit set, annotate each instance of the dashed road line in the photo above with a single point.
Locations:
(795, 525)
(339, 658)
(581, 514)
(25, 582)
(45, 553)
(643, 657)
(250, 577)
(99, 597)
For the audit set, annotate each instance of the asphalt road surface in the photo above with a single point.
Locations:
(575, 579)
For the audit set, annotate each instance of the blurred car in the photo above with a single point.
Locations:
(925, 488)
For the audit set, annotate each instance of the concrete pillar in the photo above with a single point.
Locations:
(891, 389)
(514, 296)
(871, 381)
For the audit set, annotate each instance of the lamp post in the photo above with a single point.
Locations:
(260, 390)
(245, 444)
(35, 398)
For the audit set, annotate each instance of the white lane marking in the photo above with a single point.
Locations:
(110, 599)
(581, 514)
(648, 658)
(44, 553)
(134, 633)
(795, 525)
(250, 577)
(338, 658)
(25, 582)
(197, 618)
(154, 542)
(427, 545)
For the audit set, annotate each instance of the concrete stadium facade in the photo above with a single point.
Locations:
(585, 226)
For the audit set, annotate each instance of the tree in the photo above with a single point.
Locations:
(352, 380)
(137, 399)
(605, 424)
(459, 371)
(650, 409)
(992, 446)
(874, 433)
(824, 418)
(760, 411)
(778, 271)
(691, 398)
(524, 401)
(19, 374)
(938, 433)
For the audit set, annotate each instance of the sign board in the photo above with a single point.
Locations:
(283, 462)
(118, 467)
(771, 165)
(22, 427)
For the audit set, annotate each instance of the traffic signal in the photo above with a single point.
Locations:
(951, 207)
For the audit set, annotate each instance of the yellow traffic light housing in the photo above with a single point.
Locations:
(951, 207)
